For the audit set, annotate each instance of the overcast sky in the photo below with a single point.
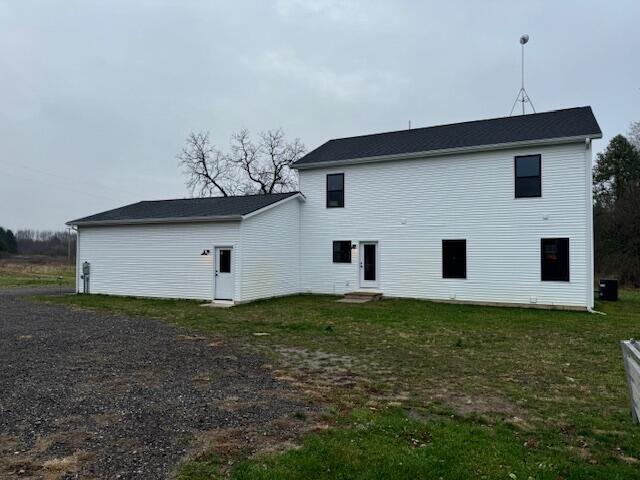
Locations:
(97, 97)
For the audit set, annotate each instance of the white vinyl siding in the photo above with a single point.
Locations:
(155, 260)
(410, 206)
(270, 244)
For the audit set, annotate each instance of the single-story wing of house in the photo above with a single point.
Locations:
(495, 211)
(224, 248)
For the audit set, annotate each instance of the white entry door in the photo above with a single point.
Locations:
(224, 281)
(368, 264)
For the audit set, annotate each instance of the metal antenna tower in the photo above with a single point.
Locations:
(523, 96)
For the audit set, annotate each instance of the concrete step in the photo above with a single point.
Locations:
(353, 300)
(361, 296)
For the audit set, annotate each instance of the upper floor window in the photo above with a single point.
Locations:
(555, 259)
(454, 259)
(335, 190)
(528, 176)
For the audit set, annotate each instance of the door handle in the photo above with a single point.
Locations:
(360, 264)
(216, 273)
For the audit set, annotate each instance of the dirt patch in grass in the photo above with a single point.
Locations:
(56, 468)
(627, 459)
(318, 373)
(42, 459)
(466, 405)
(228, 445)
(327, 376)
(71, 439)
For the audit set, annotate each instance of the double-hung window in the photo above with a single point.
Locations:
(335, 190)
(528, 169)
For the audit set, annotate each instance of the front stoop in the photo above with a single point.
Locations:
(219, 304)
(361, 296)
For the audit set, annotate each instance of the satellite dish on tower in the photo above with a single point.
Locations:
(523, 96)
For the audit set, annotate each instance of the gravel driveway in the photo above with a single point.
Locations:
(94, 395)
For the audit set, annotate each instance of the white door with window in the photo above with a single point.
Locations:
(368, 264)
(224, 281)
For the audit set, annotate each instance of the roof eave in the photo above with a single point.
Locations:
(298, 195)
(218, 218)
(146, 221)
(447, 151)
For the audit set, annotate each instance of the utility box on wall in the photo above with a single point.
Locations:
(86, 272)
(631, 355)
(608, 289)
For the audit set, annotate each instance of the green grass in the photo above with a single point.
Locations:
(35, 271)
(478, 382)
(392, 446)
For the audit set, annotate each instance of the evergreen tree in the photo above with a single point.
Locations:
(617, 168)
(616, 179)
(3, 242)
(10, 240)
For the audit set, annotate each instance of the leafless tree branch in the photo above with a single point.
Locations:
(207, 170)
(262, 166)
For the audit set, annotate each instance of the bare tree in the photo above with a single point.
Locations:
(266, 164)
(208, 171)
(46, 242)
(250, 167)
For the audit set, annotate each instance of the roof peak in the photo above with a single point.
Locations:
(220, 197)
(417, 129)
(554, 125)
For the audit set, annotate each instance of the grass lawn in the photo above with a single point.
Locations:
(33, 271)
(416, 389)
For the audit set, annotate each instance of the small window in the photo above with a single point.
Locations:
(335, 190)
(342, 251)
(454, 259)
(528, 178)
(555, 259)
(225, 261)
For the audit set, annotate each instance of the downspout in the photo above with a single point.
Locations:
(589, 227)
(77, 230)
(299, 282)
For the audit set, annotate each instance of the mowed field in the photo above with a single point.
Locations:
(414, 389)
(31, 271)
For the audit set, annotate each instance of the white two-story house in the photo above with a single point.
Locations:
(494, 211)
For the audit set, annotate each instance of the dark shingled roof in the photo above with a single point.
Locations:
(572, 122)
(213, 208)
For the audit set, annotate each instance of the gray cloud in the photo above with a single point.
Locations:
(97, 97)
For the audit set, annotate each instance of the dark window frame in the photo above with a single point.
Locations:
(565, 274)
(447, 269)
(327, 190)
(341, 252)
(516, 177)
